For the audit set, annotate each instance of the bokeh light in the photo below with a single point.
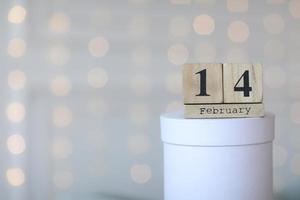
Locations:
(238, 31)
(16, 144)
(97, 77)
(15, 112)
(16, 79)
(98, 46)
(60, 86)
(237, 5)
(204, 25)
(16, 14)
(140, 173)
(16, 47)
(15, 177)
(59, 23)
(294, 8)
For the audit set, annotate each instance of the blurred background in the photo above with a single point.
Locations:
(83, 84)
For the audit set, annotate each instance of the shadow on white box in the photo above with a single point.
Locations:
(228, 159)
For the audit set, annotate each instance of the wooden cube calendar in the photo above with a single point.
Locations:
(214, 90)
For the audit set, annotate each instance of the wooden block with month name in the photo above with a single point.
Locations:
(242, 83)
(223, 110)
(202, 83)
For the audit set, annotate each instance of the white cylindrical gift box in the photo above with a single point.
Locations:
(217, 159)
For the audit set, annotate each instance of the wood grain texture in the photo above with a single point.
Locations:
(223, 110)
(231, 75)
(191, 83)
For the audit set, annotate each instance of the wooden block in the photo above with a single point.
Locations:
(202, 83)
(242, 83)
(223, 110)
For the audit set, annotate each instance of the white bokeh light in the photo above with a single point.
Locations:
(16, 14)
(16, 144)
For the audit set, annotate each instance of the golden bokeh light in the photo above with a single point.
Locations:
(15, 112)
(16, 14)
(60, 86)
(178, 54)
(16, 144)
(140, 173)
(16, 47)
(16, 79)
(15, 177)
(59, 23)
(237, 5)
(204, 25)
(238, 31)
